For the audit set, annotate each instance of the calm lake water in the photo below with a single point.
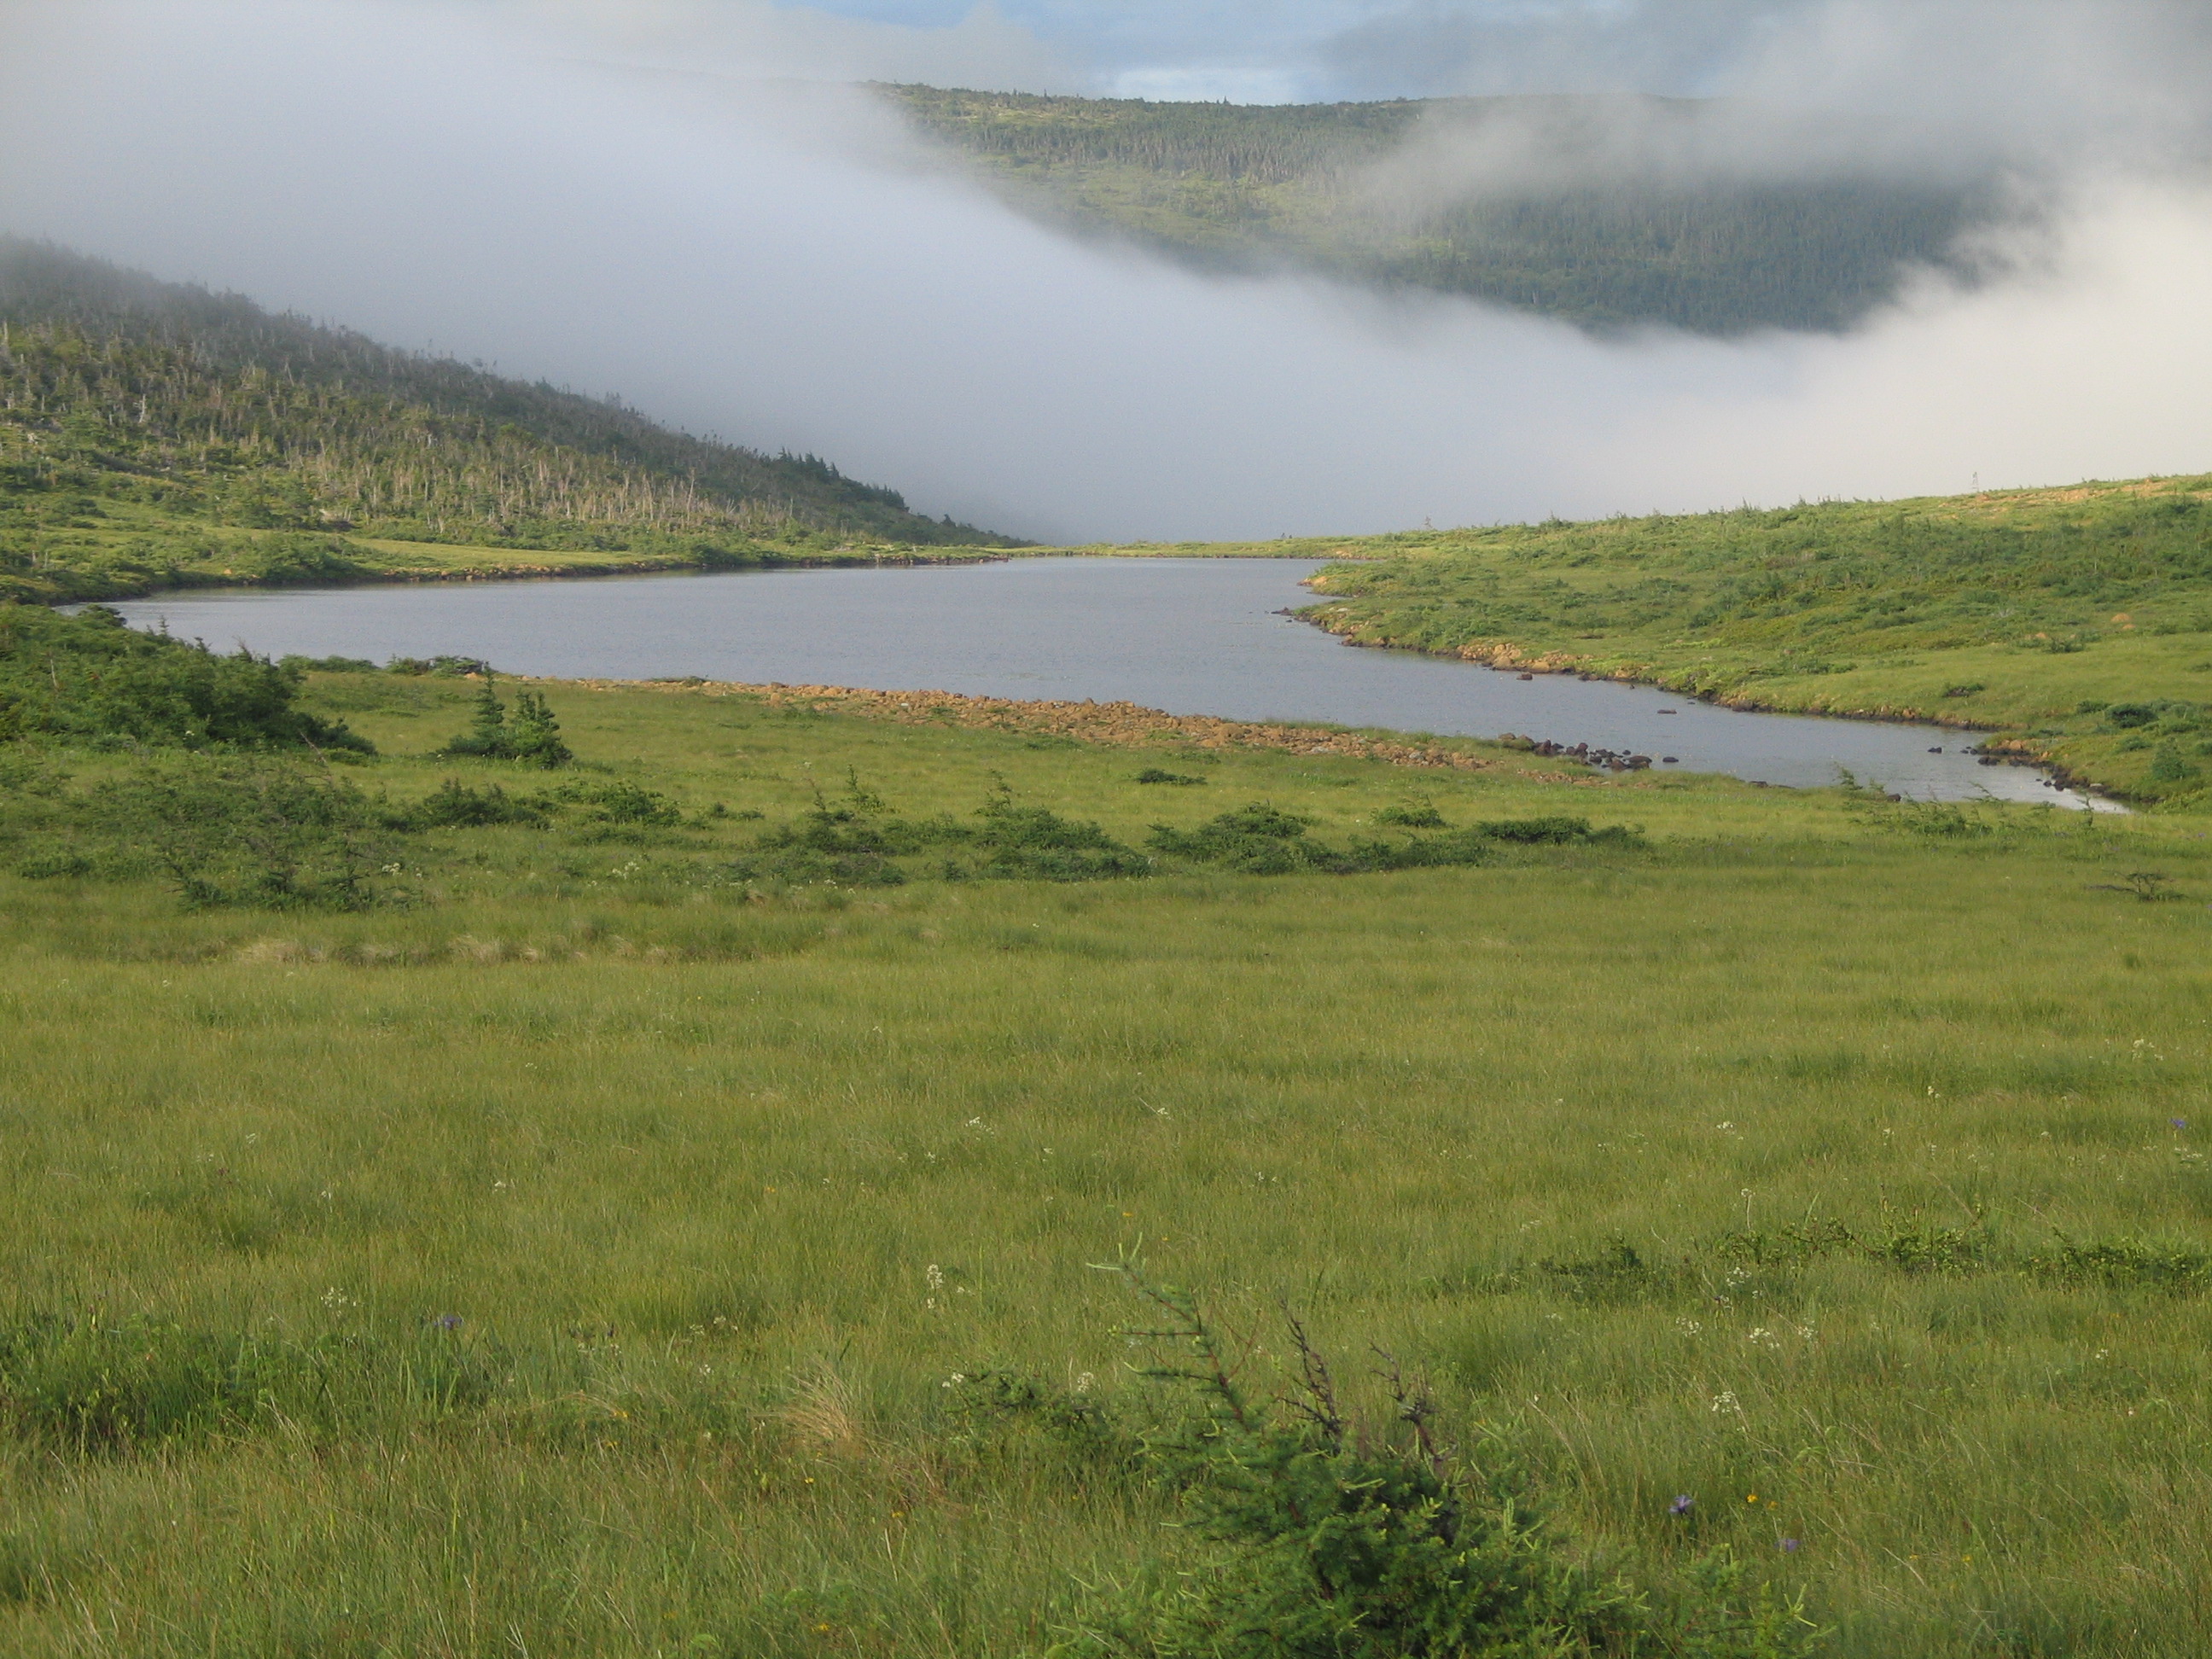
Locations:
(1193, 636)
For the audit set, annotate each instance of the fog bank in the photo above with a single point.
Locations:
(736, 263)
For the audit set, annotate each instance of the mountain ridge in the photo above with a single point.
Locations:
(1596, 231)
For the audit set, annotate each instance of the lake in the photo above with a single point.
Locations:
(1193, 636)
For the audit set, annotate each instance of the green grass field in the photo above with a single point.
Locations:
(578, 1257)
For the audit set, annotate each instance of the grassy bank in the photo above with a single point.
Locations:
(111, 550)
(591, 1248)
(2075, 624)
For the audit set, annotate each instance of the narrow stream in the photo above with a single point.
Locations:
(1193, 636)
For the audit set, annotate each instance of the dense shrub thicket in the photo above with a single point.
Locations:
(88, 675)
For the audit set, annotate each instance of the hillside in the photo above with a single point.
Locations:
(152, 433)
(1252, 187)
(2076, 622)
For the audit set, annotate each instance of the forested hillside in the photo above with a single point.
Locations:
(1248, 186)
(153, 432)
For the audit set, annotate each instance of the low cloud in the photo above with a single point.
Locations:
(673, 231)
(760, 39)
(2017, 102)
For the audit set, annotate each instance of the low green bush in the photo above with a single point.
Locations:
(1327, 1538)
(259, 833)
(90, 677)
(457, 805)
(1421, 816)
(1555, 831)
(1032, 842)
(1263, 840)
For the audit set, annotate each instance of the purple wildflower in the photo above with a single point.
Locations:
(2178, 1123)
(1681, 1505)
(447, 1322)
(1789, 1546)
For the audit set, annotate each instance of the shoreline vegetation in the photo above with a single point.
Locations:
(1115, 724)
(156, 436)
(2108, 700)
(2073, 625)
(622, 1168)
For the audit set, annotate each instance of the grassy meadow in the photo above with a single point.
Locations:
(2072, 622)
(585, 1249)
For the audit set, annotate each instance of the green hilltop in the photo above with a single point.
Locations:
(1229, 186)
(153, 434)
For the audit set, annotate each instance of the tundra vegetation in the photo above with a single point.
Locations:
(655, 1203)
(2072, 625)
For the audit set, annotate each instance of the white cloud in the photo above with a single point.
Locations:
(1190, 84)
(685, 241)
(760, 39)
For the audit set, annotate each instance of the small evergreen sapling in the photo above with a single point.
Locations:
(531, 735)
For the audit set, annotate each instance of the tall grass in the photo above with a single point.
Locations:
(565, 1268)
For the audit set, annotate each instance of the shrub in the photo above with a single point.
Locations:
(2121, 1263)
(265, 834)
(1260, 840)
(2166, 765)
(851, 843)
(456, 805)
(1553, 831)
(1035, 842)
(1160, 775)
(328, 664)
(632, 805)
(453, 667)
(531, 735)
(90, 676)
(1336, 1541)
(1421, 816)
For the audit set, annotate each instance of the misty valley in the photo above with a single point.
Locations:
(619, 1042)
